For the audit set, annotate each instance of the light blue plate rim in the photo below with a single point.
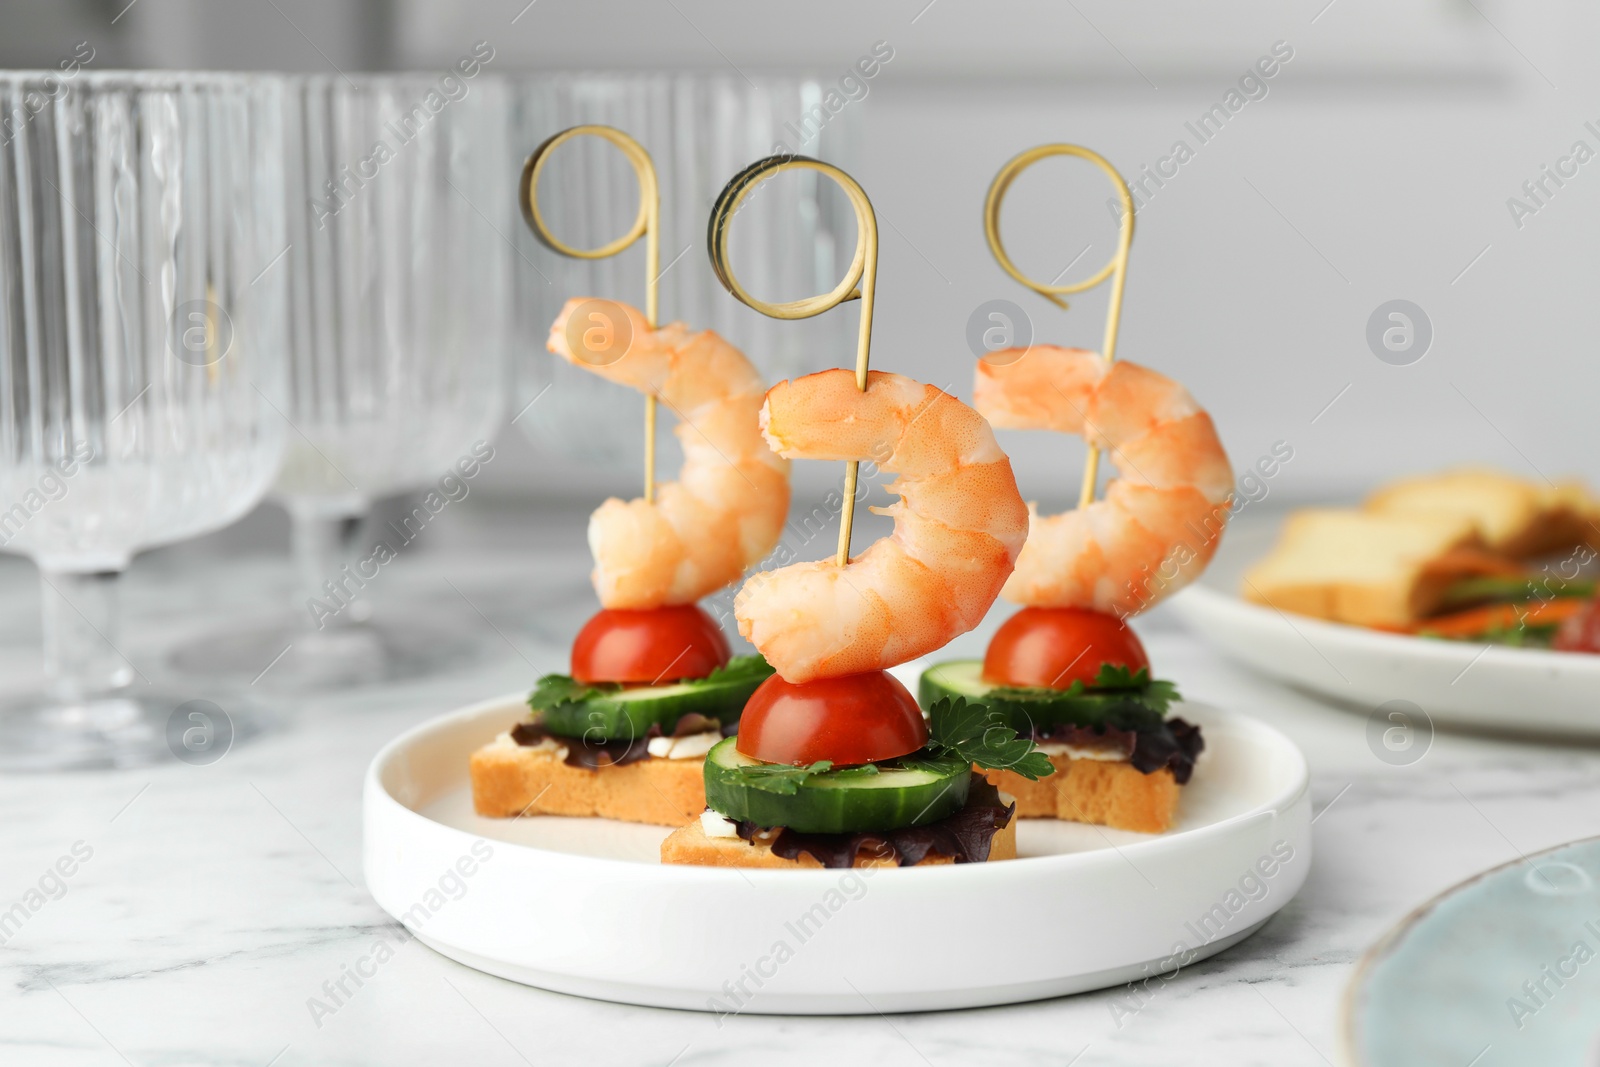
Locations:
(1349, 1031)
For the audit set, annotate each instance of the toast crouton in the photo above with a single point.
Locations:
(1514, 517)
(1367, 568)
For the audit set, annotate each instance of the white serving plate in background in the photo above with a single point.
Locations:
(1489, 687)
(584, 906)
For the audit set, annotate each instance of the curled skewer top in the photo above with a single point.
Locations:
(646, 224)
(1118, 263)
(1116, 267)
(859, 282)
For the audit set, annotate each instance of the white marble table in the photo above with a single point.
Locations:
(218, 900)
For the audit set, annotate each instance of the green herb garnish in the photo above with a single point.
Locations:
(786, 779)
(979, 735)
(554, 689)
(1118, 697)
(1113, 680)
(741, 669)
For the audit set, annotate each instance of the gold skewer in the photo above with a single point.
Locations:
(858, 284)
(1117, 266)
(646, 224)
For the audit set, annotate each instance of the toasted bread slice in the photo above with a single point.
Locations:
(509, 779)
(1369, 568)
(1504, 510)
(690, 845)
(1111, 793)
(1514, 516)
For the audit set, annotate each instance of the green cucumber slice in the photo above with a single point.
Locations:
(1025, 710)
(952, 678)
(848, 800)
(605, 713)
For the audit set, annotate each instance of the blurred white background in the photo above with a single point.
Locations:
(1376, 164)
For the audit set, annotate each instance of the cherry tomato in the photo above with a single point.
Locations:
(858, 718)
(649, 646)
(1054, 647)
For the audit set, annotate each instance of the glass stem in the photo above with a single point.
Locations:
(80, 632)
(327, 585)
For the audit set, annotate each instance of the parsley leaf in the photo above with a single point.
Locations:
(786, 779)
(782, 778)
(554, 689)
(742, 669)
(932, 763)
(1118, 676)
(1115, 677)
(862, 770)
(979, 735)
(1118, 697)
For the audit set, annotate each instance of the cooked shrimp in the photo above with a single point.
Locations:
(959, 524)
(1161, 518)
(731, 498)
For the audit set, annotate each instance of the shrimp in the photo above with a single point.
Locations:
(1161, 518)
(958, 526)
(728, 506)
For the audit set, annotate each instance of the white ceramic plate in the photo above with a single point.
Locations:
(1491, 687)
(584, 906)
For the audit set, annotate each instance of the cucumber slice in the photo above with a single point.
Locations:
(924, 790)
(1029, 709)
(623, 714)
(952, 678)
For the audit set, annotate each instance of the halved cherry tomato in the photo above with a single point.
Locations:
(1054, 647)
(857, 718)
(648, 646)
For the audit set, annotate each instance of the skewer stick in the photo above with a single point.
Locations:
(859, 282)
(1116, 268)
(645, 224)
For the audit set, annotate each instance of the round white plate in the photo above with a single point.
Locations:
(584, 906)
(1492, 687)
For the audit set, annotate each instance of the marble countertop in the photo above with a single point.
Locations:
(216, 900)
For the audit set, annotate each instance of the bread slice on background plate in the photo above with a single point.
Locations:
(1514, 516)
(1368, 568)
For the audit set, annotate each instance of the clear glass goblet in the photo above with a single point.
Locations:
(141, 366)
(400, 200)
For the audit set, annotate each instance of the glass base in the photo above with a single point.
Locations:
(127, 728)
(287, 658)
